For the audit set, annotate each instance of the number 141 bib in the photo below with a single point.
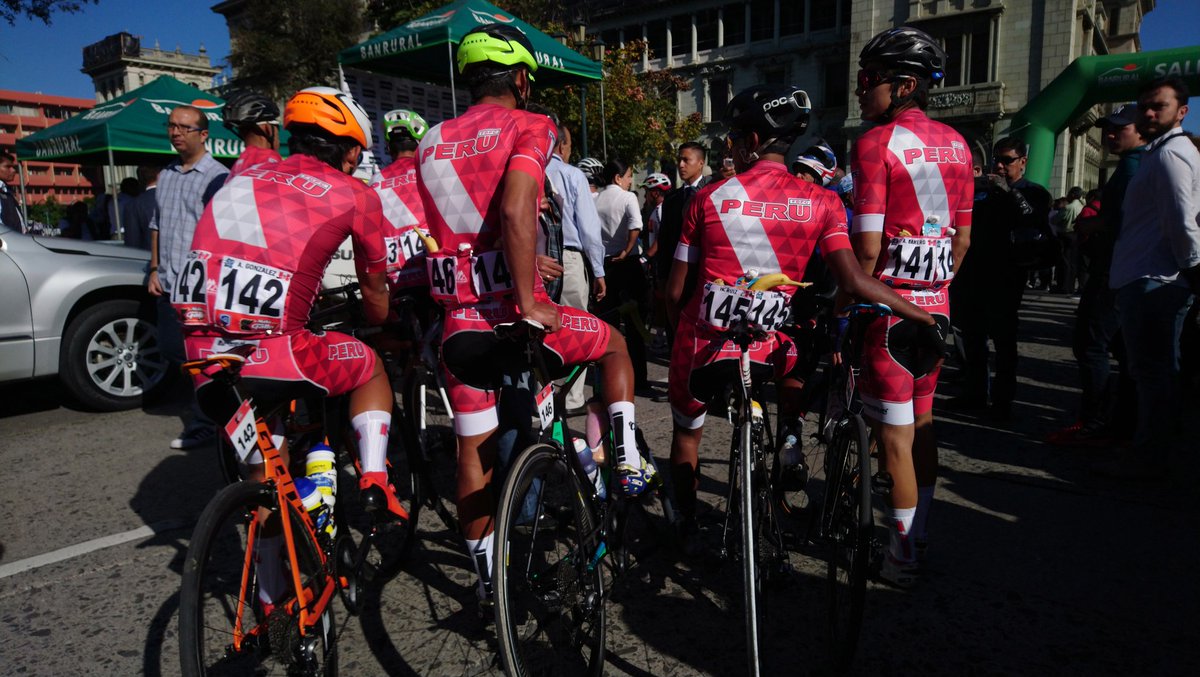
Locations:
(917, 262)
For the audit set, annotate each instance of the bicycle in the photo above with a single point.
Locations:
(223, 628)
(559, 544)
(844, 523)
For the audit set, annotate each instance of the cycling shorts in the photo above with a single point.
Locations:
(475, 361)
(897, 384)
(286, 367)
(702, 364)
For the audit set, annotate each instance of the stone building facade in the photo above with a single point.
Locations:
(119, 63)
(1002, 52)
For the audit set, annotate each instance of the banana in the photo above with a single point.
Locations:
(776, 280)
(431, 244)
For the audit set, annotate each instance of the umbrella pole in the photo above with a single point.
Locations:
(116, 202)
(24, 199)
(453, 89)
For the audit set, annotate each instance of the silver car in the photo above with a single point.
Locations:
(79, 310)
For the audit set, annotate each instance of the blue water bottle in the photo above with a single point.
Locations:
(589, 466)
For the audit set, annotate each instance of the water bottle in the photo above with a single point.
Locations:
(320, 513)
(589, 466)
(794, 472)
(320, 467)
(790, 453)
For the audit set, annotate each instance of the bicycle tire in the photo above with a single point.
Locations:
(213, 596)
(752, 505)
(549, 595)
(850, 524)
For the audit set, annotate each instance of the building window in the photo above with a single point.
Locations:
(681, 35)
(718, 98)
(762, 20)
(706, 29)
(1114, 21)
(631, 33)
(968, 46)
(823, 14)
(773, 75)
(656, 38)
(611, 37)
(791, 17)
(734, 19)
(837, 84)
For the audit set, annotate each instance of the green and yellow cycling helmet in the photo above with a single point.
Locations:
(400, 122)
(498, 44)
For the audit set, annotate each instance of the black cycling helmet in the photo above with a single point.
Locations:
(246, 107)
(906, 50)
(774, 112)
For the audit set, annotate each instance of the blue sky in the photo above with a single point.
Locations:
(34, 57)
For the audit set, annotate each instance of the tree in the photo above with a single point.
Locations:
(39, 9)
(387, 14)
(642, 121)
(282, 46)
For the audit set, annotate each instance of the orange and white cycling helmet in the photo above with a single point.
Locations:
(330, 109)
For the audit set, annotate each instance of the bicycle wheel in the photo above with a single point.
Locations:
(550, 615)
(849, 524)
(221, 627)
(753, 505)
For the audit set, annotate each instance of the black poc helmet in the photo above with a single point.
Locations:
(245, 107)
(906, 50)
(772, 111)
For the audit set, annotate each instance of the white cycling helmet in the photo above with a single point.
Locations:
(657, 181)
(818, 161)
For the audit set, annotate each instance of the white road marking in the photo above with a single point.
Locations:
(80, 549)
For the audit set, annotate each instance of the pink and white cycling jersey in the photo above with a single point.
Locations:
(763, 219)
(253, 155)
(264, 240)
(461, 165)
(912, 182)
(405, 213)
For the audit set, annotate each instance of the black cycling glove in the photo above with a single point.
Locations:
(931, 345)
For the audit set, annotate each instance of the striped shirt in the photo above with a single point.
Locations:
(182, 196)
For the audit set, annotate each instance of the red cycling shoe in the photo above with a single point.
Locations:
(379, 496)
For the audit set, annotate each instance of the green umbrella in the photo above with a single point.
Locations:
(130, 129)
(424, 48)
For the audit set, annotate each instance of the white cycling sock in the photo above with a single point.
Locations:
(371, 429)
(901, 520)
(624, 437)
(272, 582)
(920, 525)
(480, 551)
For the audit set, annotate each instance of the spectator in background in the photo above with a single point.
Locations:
(620, 223)
(1087, 215)
(1064, 228)
(141, 211)
(1156, 272)
(690, 162)
(184, 188)
(987, 288)
(1097, 326)
(254, 118)
(10, 210)
(74, 222)
(583, 244)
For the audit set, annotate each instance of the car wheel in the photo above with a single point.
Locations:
(111, 355)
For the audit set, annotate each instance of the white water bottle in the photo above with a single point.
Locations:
(589, 466)
(320, 467)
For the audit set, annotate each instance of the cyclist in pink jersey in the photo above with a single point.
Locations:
(255, 120)
(913, 186)
(255, 267)
(481, 177)
(402, 206)
(761, 221)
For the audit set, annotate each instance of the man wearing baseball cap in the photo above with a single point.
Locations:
(1096, 323)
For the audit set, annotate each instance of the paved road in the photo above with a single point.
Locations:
(1036, 566)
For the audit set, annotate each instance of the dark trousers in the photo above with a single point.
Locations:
(625, 283)
(986, 307)
(1097, 334)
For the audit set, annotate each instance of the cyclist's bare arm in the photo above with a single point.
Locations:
(374, 295)
(866, 248)
(676, 284)
(959, 243)
(518, 214)
(856, 284)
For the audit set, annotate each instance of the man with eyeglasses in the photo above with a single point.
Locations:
(184, 187)
(911, 225)
(990, 281)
